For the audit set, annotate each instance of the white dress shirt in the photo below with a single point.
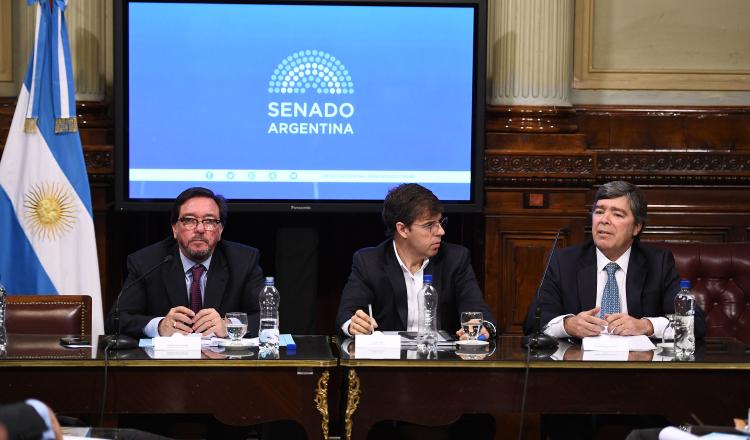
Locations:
(414, 283)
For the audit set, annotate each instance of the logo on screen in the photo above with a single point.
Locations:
(305, 76)
(313, 71)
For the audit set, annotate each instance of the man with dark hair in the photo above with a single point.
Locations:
(205, 278)
(612, 281)
(389, 276)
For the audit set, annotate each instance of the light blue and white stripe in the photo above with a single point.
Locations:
(46, 221)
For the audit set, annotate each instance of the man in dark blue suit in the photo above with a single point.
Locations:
(205, 278)
(389, 276)
(612, 281)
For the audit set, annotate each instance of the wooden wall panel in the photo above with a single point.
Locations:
(692, 163)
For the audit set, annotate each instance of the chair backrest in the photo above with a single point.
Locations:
(49, 314)
(720, 278)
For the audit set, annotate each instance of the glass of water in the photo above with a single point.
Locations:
(236, 326)
(471, 322)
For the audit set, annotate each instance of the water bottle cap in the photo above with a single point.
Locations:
(269, 281)
(427, 278)
(684, 284)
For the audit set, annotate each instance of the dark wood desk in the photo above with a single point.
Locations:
(714, 387)
(236, 390)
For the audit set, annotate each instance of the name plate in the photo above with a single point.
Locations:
(175, 354)
(377, 346)
(177, 342)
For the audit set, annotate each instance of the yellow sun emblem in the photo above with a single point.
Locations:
(49, 210)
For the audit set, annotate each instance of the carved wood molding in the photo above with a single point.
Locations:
(503, 164)
(675, 163)
(99, 159)
(686, 168)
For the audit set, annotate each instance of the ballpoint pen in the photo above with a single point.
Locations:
(369, 308)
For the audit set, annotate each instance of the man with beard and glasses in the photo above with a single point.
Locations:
(205, 278)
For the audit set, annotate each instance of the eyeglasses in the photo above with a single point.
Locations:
(190, 223)
(433, 226)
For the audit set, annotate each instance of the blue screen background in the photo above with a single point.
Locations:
(198, 95)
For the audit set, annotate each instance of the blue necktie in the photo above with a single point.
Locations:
(611, 295)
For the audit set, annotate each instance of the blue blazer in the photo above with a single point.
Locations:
(570, 287)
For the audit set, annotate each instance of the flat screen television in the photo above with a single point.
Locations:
(319, 105)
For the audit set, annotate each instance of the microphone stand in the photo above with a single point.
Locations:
(539, 342)
(119, 341)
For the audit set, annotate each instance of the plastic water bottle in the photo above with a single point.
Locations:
(428, 299)
(268, 334)
(3, 334)
(684, 321)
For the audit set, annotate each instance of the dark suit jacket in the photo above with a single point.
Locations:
(570, 287)
(377, 279)
(234, 281)
(22, 421)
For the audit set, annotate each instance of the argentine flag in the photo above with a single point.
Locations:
(46, 224)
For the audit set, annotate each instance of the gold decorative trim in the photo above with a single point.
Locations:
(516, 365)
(321, 401)
(66, 125)
(352, 402)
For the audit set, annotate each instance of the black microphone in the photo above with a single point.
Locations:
(124, 342)
(539, 339)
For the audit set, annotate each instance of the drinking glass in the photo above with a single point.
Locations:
(471, 322)
(668, 335)
(236, 326)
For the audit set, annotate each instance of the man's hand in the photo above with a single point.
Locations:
(362, 324)
(584, 324)
(461, 334)
(178, 320)
(625, 325)
(209, 321)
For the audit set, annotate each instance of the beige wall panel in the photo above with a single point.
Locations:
(692, 35)
(6, 41)
(665, 44)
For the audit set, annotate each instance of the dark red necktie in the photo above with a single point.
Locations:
(196, 302)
